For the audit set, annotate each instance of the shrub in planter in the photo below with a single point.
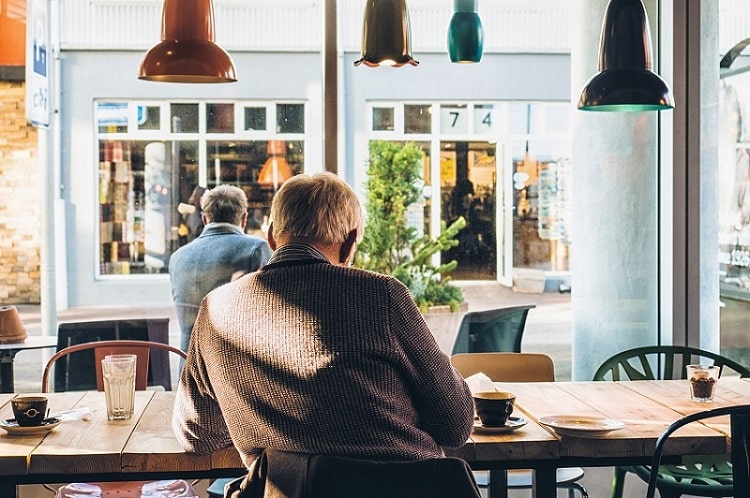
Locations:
(390, 244)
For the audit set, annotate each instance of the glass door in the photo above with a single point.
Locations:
(468, 177)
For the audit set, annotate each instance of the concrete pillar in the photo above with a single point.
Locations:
(614, 259)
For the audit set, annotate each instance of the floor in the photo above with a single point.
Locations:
(547, 330)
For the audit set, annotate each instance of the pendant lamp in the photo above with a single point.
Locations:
(465, 33)
(386, 34)
(625, 82)
(187, 52)
(276, 169)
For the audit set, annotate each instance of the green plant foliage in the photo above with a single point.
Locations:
(390, 245)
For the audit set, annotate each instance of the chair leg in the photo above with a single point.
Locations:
(575, 486)
(669, 494)
(618, 482)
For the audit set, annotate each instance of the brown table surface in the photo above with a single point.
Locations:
(144, 446)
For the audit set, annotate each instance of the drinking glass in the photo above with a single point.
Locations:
(702, 380)
(118, 371)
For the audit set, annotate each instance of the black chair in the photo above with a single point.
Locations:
(492, 331)
(78, 373)
(702, 476)
(301, 475)
(740, 456)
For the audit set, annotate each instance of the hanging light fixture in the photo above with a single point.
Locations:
(625, 81)
(386, 34)
(465, 33)
(276, 169)
(187, 52)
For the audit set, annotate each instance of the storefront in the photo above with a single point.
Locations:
(154, 155)
(502, 166)
(132, 152)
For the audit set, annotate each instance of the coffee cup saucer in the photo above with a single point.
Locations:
(13, 429)
(511, 425)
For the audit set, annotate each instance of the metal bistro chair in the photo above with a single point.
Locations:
(518, 367)
(709, 475)
(126, 489)
(740, 431)
(491, 331)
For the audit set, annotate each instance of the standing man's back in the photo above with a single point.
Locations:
(220, 254)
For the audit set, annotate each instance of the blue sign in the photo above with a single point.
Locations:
(38, 83)
(40, 57)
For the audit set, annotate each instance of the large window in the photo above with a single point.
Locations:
(504, 167)
(734, 215)
(153, 155)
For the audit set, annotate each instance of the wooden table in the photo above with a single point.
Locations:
(144, 447)
(8, 352)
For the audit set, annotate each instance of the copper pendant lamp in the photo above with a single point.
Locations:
(386, 34)
(625, 82)
(276, 169)
(187, 52)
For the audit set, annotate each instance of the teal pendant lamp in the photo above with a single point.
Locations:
(625, 82)
(187, 52)
(386, 34)
(465, 33)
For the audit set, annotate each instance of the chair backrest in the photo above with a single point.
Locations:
(662, 363)
(77, 371)
(506, 367)
(740, 429)
(491, 331)
(102, 348)
(301, 475)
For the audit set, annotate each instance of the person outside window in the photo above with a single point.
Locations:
(220, 253)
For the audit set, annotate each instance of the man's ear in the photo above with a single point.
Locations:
(346, 253)
(271, 240)
(204, 218)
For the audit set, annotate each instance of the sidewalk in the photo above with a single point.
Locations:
(547, 328)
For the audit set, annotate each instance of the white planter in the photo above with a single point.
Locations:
(443, 324)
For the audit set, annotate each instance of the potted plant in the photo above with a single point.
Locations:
(392, 245)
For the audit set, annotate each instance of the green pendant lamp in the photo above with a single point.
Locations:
(465, 33)
(386, 34)
(625, 82)
(187, 52)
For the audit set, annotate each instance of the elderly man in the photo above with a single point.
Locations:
(310, 355)
(220, 253)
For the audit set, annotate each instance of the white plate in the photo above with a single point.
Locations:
(511, 425)
(13, 429)
(581, 426)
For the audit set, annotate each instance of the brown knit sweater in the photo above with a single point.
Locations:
(310, 357)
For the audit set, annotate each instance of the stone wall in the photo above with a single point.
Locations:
(20, 217)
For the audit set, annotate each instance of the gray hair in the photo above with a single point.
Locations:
(320, 208)
(224, 204)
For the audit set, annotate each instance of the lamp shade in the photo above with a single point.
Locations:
(386, 34)
(465, 33)
(276, 169)
(11, 328)
(187, 52)
(625, 81)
